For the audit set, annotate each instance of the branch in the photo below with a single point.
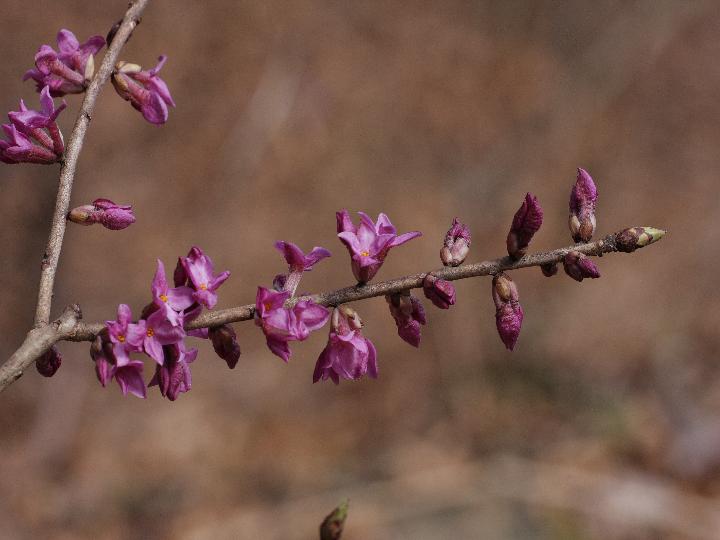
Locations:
(88, 332)
(67, 171)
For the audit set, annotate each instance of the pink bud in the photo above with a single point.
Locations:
(583, 198)
(579, 266)
(508, 312)
(439, 292)
(526, 223)
(456, 245)
(48, 364)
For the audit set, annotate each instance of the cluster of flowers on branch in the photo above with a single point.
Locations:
(34, 137)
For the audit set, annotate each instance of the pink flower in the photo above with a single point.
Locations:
(128, 375)
(197, 269)
(125, 336)
(369, 243)
(145, 90)
(173, 375)
(171, 301)
(348, 354)
(281, 325)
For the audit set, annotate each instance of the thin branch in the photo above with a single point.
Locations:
(67, 172)
(69, 327)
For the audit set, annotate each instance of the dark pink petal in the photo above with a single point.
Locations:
(130, 380)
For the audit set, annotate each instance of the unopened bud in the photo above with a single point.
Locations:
(48, 364)
(409, 316)
(579, 266)
(508, 311)
(279, 282)
(636, 237)
(583, 198)
(457, 244)
(104, 211)
(438, 291)
(83, 215)
(549, 269)
(225, 343)
(350, 315)
(332, 526)
(525, 224)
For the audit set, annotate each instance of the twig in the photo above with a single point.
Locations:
(41, 339)
(67, 172)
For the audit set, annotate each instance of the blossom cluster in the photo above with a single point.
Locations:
(33, 136)
(160, 333)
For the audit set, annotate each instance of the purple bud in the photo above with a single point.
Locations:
(225, 343)
(525, 224)
(409, 316)
(456, 245)
(104, 211)
(549, 269)
(508, 312)
(439, 292)
(279, 282)
(582, 207)
(144, 89)
(579, 266)
(48, 364)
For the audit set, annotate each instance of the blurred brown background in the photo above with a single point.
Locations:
(605, 421)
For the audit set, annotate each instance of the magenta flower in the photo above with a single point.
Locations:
(145, 91)
(19, 148)
(525, 224)
(224, 341)
(281, 325)
(456, 245)
(173, 376)
(369, 243)
(508, 311)
(297, 260)
(49, 362)
(110, 215)
(160, 331)
(31, 123)
(128, 376)
(583, 198)
(125, 336)
(298, 263)
(348, 354)
(197, 269)
(439, 292)
(409, 316)
(579, 266)
(170, 301)
(70, 70)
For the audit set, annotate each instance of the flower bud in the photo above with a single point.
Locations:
(508, 312)
(332, 526)
(439, 292)
(457, 244)
(104, 211)
(582, 207)
(48, 364)
(579, 266)
(549, 269)
(279, 282)
(636, 237)
(225, 343)
(525, 224)
(409, 316)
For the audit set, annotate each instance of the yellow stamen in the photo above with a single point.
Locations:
(163, 298)
(365, 253)
(203, 287)
(121, 338)
(267, 306)
(150, 332)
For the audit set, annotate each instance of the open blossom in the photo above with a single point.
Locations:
(583, 198)
(508, 311)
(69, 70)
(160, 331)
(128, 375)
(281, 325)
(369, 243)
(579, 266)
(172, 301)
(525, 224)
(197, 270)
(110, 215)
(298, 263)
(145, 90)
(409, 316)
(125, 336)
(440, 292)
(456, 245)
(27, 141)
(173, 376)
(348, 354)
